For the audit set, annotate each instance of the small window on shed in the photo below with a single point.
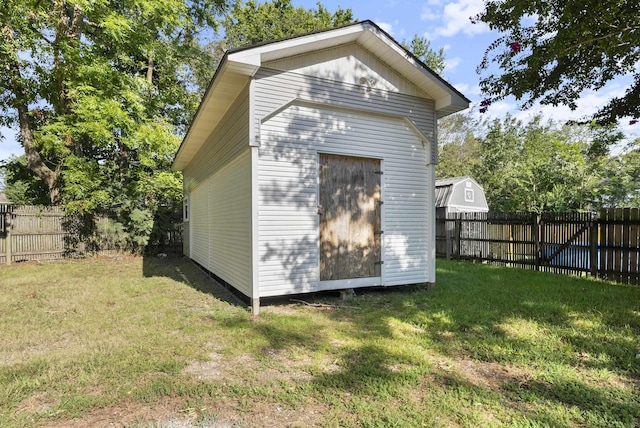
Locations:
(468, 195)
(185, 210)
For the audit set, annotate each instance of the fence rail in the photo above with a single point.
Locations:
(46, 233)
(605, 245)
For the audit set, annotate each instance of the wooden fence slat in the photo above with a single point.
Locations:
(38, 233)
(606, 245)
(634, 246)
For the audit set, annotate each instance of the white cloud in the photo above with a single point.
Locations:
(462, 87)
(469, 91)
(589, 103)
(455, 17)
(385, 26)
(500, 109)
(391, 28)
(450, 64)
(428, 14)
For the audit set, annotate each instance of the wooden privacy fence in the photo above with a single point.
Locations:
(46, 233)
(31, 233)
(605, 245)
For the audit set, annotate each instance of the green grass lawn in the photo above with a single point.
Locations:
(154, 343)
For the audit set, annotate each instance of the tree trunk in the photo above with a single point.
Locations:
(34, 160)
(68, 34)
(150, 70)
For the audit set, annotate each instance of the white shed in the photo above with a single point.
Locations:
(460, 195)
(310, 165)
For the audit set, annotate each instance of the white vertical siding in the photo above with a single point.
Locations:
(223, 145)
(431, 223)
(221, 223)
(199, 224)
(299, 116)
(218, 182)
(288, 218)
(186, 243)
(292, 129)
(229, 240)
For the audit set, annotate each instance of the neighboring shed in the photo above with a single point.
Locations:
(459, 195)
(310, 165)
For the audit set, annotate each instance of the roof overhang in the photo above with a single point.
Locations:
(238, 66)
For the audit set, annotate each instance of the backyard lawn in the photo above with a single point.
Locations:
(136, 342)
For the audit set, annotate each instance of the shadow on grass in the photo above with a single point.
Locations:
(183, 270)
(555, 328)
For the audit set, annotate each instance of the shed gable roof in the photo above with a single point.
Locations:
(445, 188)
(239, 65)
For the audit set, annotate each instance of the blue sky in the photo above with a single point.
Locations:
(446, 24)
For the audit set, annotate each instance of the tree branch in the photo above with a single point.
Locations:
(606, 36)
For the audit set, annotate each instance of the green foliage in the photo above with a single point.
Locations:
(249, 22)
(622, 182)
(552, 51)
(458, 145)
(536, 166)
(140, 225)
(101, 92)
(20, 186)
(421, 48)
(113, 234)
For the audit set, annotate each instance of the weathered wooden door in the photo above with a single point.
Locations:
(349, 210)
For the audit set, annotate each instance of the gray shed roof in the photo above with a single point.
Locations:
(445, 188)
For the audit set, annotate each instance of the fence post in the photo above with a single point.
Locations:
(535, 234)
(7, 226)
(593, 246)
(458, 232)
(448, 238)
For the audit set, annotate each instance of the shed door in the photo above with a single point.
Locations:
(349, 212)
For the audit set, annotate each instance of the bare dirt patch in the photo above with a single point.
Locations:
(234, 370)
(37, 403)
(121, 416)
(483, 374)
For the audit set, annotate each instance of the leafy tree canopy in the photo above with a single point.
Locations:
(459, 145)
(250, 23)
(622, 178)
(421, 48)
(539, 166)
(99, 90)
(551, 51)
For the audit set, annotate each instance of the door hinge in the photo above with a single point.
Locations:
(378, 172)
(381, 262)
(380, 202)
(378, 232)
